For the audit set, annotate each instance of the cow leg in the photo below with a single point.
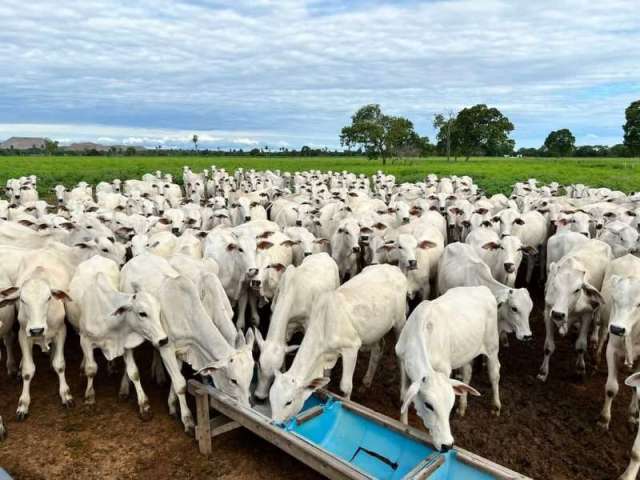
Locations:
(634, 463)
(349, 359)
(125, 387)
(494, 378)
(134, 376)
(467, 371)
(179, 386)
(549, 346)
(542, 249)
(59, 366)
(9, 340)
(253, 307)
(531, 263)
(157, 369)
(374, 359)
(633, 408)
(3, 430)
(242, 308)
(90, 370)
(582, 343)
(611, 388)
(28, 370)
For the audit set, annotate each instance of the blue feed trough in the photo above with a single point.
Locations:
(344, 440)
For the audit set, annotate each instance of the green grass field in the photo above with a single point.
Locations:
(493, 174)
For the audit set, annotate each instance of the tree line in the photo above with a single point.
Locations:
(473, 131)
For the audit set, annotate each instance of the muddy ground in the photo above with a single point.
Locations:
(546, 431)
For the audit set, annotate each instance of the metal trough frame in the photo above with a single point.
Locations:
(233, 415)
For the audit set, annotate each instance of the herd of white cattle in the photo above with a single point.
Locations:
(339, 257)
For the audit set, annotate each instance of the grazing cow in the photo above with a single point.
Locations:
(572, 296)
(112, 321)
(193, 336)
(631, 472)
(619, 317)
(460, 266)
(298, 291)
(440, 336)
(358, 314)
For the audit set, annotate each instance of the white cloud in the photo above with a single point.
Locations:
(301, 68)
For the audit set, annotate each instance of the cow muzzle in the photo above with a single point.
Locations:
(252, 272)
(247, 219)
(36, 332)
(175, 230)
(163, 341)
(616, 330)
(306, 254)
(446, 447)
(413, 265)
(405, 220)
(298, 223)
(255, 284)
(355, 249)
(509, 267)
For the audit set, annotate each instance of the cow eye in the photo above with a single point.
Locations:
(143, 314)
(577, 291)
(241, 250)
(288, 403)
(234, 381)
(514, 309)
(105, 250)
(428, 406)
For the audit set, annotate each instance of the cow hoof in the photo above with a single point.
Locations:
(21, 416)
(190, 430)
(69, 403)
(581, 376)
(123, 396)
(461, 412)
(495, 412)
(146, 414)
(603, 423)
(542, 377)
(90, 402)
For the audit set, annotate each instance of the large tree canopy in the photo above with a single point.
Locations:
(382, 136)
(477, 130)
(632, 128)
(560, 143)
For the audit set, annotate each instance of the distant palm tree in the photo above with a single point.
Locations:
(195, 141)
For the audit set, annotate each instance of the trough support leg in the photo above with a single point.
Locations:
(203, 427)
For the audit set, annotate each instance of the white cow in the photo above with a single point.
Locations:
(572, 296)
(193, 336)
(631, 472)
(42, 281)
(439, 337)
(297, 293)
(460, 266)
(112, 321)
(358, 314)
(619, 318)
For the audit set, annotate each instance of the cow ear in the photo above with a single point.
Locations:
(491, 246)
(459, 388)
(264, 245)
(249, 339)
(278, 267)
(202, 234)
(61, 295)
(8, 301)
(633, 380)
(593, 294)
(519, 221)
(240, 340)
(122, 310)
(528, 250)
(231, 247)
(26, 223)
(318, 383)
(212, 367)
(321, 241)
(409, 395)
(289, 243)
(8, 291)
(259, 338)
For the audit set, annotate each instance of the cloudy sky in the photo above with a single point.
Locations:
(288, 73)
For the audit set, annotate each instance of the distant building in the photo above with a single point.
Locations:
(23, 143)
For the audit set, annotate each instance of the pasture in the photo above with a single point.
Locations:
(495, 175)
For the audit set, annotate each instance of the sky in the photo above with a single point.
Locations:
(289, 73)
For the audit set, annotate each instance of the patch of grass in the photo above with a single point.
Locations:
(493, 174)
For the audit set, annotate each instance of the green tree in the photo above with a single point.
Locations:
(480, 130)
(445, 126)
(130, 151)
(380, 135)
(632, 128)
(560, 143)
(194, 139)
(50, 146)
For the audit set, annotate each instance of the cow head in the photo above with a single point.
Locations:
(288, 394)
(272, 355)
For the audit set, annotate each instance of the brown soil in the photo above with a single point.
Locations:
(545, 431)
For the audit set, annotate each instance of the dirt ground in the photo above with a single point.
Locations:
(546, 431)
